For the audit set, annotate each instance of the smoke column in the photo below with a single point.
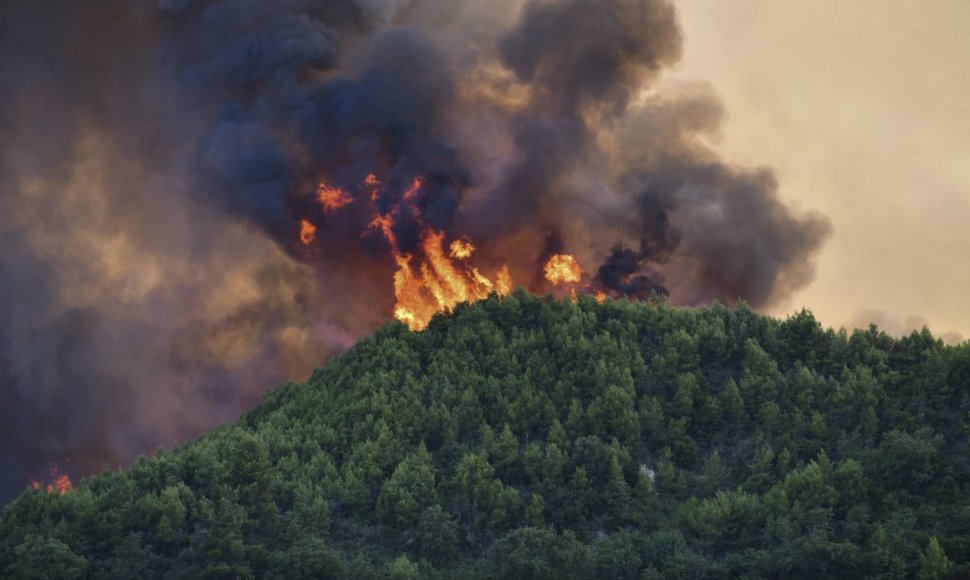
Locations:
(201, 199)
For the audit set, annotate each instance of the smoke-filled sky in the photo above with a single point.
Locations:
(862, 108)
(168, 254)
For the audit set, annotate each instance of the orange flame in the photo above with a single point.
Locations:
(374, 183)
(332, 198)
(439, 282)
(429, 280)
(437, 275)
(563, 269)
(503, 281)
(413, 191)
(462, 249)
(59, 484)
(308, 232)
(384, 224)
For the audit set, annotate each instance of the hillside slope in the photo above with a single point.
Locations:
(530, 438)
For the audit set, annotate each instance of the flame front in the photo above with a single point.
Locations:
(437, 282)
(437, 274)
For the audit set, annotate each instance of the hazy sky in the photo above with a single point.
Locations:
(863, 110)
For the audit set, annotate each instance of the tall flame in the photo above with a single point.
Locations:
(435, 281)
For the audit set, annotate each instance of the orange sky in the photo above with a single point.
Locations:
(863, 110)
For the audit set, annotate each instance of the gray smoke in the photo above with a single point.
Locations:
(159, 160)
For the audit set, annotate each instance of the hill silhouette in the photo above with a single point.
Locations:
(526, 437)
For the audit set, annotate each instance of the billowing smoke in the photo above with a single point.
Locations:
(134, 313)
(201, 199)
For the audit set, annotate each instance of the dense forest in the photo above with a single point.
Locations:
(526, 437)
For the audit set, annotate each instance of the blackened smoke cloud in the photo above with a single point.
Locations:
(159, 160)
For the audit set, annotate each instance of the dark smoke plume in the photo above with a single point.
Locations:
(159, 161)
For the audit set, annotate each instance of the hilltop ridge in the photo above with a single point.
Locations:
(528, 437)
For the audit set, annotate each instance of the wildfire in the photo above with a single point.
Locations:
(59, 484)
(308, 233)
(332, 198)
(437, 276)
(563, 269)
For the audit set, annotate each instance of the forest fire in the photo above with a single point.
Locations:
(316, 168)
(386, 175)
(59, 484)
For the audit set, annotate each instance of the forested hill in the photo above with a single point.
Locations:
(530, 438)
